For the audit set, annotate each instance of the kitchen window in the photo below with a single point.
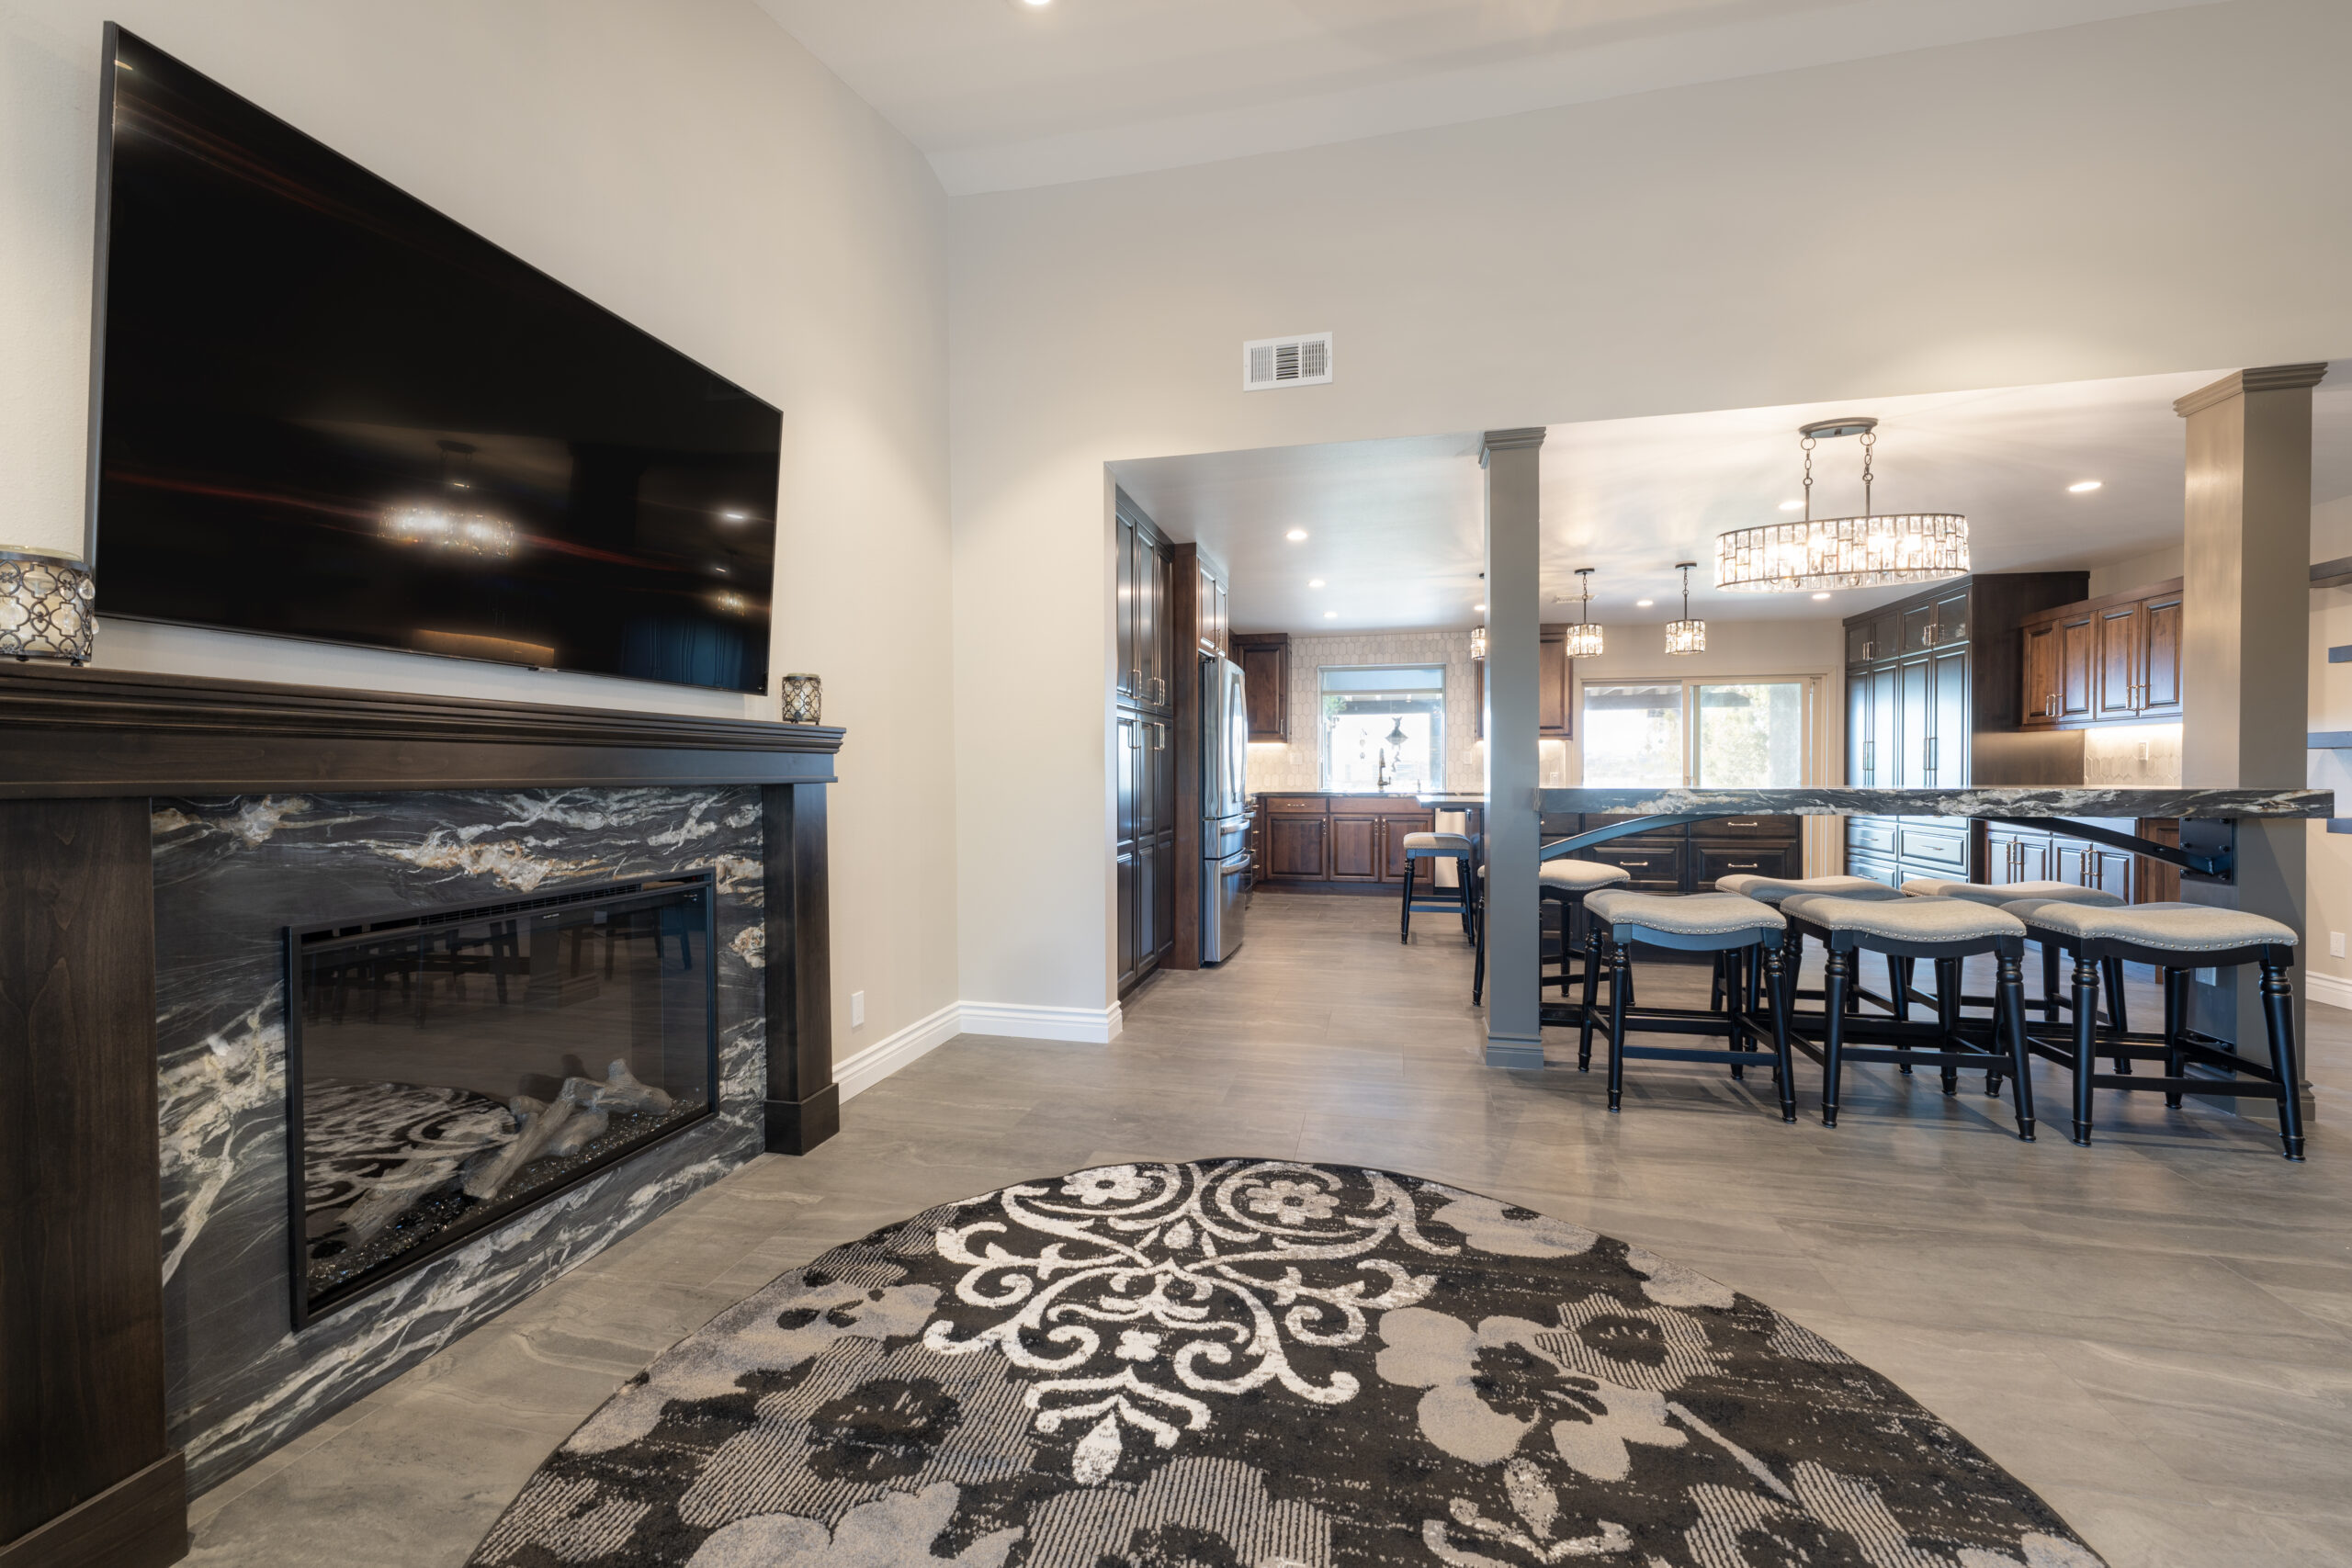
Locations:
(1383, 727)
(1697, 734)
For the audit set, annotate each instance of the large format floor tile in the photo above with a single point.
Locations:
(2155, 1333)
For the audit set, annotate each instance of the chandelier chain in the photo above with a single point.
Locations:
(1869, 439)
(1807, 444)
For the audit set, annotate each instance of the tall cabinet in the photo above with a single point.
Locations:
(1143, 742)
(1932, 702)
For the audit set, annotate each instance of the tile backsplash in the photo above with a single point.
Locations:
(2133, 754)
(1299, 764)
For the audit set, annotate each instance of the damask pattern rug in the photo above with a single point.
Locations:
(1262, 1364)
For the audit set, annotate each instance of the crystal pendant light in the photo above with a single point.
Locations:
(1685, 636)
(1821, 553)
(1477, 642)
(1584, 637)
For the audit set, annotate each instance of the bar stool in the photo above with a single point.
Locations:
(1564, 882)
(2178, 939)
(1433, 847)
(1947, 932)
(2006, 893)
(1697, 923)
(1773, 889)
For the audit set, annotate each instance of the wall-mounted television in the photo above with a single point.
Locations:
(321, 408)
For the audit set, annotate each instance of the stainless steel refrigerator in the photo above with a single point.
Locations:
(1225, 807)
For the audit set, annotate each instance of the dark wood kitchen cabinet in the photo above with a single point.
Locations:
(1343, 843)
(1201, 601)
(2114, 659)
(1144, 611)
(2041, 854)
(1296, 848)
(1144, 744)
(1264, 658)
(1554, 686)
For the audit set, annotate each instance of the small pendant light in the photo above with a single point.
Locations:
(1685, 636)
(1584, 637)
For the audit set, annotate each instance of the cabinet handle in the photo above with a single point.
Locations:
(1743, 864)
(1632, 862)
(1747, 824)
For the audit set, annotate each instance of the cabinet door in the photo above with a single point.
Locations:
(1551, 683)
(2110, 871)
(2039, 700)
(1130, 764)
(1154, 641)
(2000, 856)
(1223, 623)
(2116, 663)
(1126, 898)
(1952, 619)
(1393, 831)
(2160, 657)
(1355, 849)
(2077, 654)
(1130, 671)
(1294, 846)
(1265, 680)
(1914, 724)
(1886, 635)
(1886, 734)
(1204, 627)
(1948, 706)
(1858, 642)
(2069, 862)
(1918, 628)
(1858, 730)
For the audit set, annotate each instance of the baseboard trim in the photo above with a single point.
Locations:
(857, 1073)
(139, 1522)
(2328, 988)
(1082, 1026)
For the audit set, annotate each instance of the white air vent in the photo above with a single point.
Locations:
(1286, 362)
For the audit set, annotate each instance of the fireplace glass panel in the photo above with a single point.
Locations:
(448, 1069)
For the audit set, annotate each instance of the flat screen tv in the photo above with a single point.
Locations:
(323, 409)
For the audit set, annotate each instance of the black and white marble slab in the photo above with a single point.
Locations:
(231, 875)
(1986, 800)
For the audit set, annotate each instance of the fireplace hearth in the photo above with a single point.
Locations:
(447, 1069)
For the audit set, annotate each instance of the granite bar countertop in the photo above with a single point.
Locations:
(1986, 800)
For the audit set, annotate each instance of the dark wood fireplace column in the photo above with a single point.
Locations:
(87, 1477)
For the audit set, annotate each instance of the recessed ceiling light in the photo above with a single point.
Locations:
(1644, 603)
(1295, 534)
(1793, 506)
(1821, 595)
(1330, 614)
(1479, 607)
(2082, 487)
(734, 516)
(1315, 582)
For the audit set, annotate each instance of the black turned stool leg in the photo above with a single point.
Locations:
(1715, 986)
(2085, 1041)
(2010, 988)
(1898, 987)
(1947, 973)
(1618, 969)
(2176, 1021)
(1834, 999)
(1405, 921)
(1783, 1070)
(1592, 951)
(2279, 1012)
(2049, 979)
(1462, 893)
(1478, 963)
(2115, 1013)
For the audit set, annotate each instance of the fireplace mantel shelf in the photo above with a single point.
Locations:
(96, 732)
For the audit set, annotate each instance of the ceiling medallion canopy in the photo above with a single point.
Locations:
(1584, 637)
(1869, 551)
(1685, 636)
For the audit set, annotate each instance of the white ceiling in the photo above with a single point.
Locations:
(1394, 528)
(1002, 95)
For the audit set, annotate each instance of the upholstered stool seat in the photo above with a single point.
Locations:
(1723, 923)
(1772, 889)
(2007, 893)
(1565, 882)
(2179, 940)
(1424, 845)
(1580, 876)
(1946, 931)
(1435, 847)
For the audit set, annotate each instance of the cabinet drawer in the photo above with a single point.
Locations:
(1743, 860)
(1654, 866)
(1371, 805)
(1875, 867)
(1786, 829)
(1295, 804)
(1944, 849)
(1871, 834)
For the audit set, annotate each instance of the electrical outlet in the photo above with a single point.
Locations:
(856, 1008)
(2336, 944)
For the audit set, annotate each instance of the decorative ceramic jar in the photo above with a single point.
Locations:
(804, 699)
(45, 598)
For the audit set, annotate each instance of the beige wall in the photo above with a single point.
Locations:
(691, 167)
(2119, 198)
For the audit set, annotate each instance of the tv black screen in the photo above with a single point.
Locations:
(323, 409)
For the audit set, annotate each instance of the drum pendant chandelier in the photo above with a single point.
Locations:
(1869, 551)
(1584, 637)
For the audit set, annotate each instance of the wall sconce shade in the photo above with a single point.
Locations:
(804, 699)
(45, 603)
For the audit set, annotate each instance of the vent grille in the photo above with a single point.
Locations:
(1286, 362)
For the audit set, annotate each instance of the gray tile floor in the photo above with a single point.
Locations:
(2155, 1333)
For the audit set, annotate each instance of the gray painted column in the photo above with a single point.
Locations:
(1514, 1032)
(2246, 620)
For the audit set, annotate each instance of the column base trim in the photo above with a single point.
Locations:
(1515, 1054)
(795, 1127)
(141, 1521)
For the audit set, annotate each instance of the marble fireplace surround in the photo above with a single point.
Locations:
(156, 834)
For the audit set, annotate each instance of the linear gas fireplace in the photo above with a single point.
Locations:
(445, 1069)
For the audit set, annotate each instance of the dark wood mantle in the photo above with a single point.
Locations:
(86, 1476)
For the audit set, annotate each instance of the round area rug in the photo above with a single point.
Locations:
(1262, 1364)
